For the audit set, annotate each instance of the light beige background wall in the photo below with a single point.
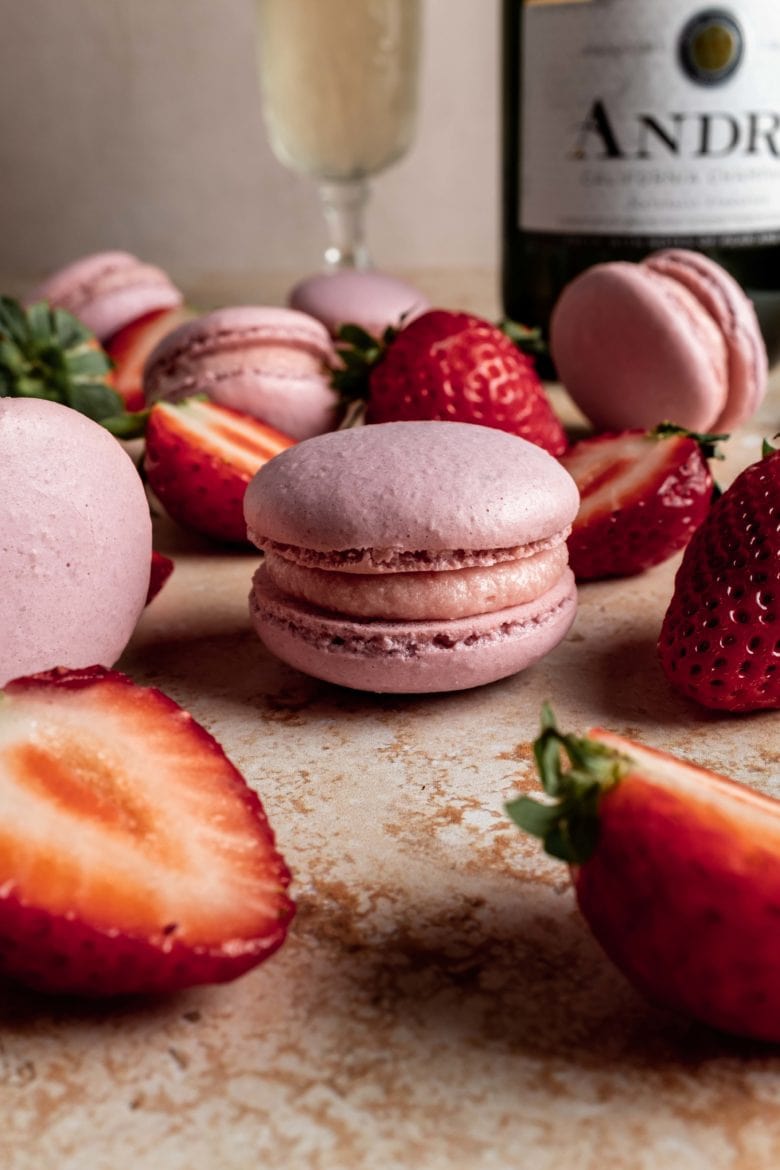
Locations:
(136, 124)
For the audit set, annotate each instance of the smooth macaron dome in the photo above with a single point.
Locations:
(358, 296)
(271, 363)
(412, 556)
(75, 549)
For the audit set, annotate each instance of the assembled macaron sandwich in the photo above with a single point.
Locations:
(412, 556)
(673, 338)
(108, 290)
(273, 364)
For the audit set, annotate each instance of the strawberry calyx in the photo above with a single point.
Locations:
(568, 824)
(708, 443)
(527, 338)
(359, 352)
(48, 353)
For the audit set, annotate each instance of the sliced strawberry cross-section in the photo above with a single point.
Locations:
(199, 458)
(130, 346)
(643, 494)
(134, 858)
(676, 871)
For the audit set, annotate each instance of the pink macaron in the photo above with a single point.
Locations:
(412, 556)
(366, 297)
(674, 338)
(273, 364)
(108, 290)
(77, 540)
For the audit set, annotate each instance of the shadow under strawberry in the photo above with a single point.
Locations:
(643, 690)
(458, 972)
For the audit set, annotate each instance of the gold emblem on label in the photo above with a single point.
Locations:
(713, 48)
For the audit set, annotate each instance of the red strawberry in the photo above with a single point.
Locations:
(450, 366)
(676, 871)
(130, 347)
(199, 459)
(161, 569)
(643, 494)
(720, 640)
(133, 856)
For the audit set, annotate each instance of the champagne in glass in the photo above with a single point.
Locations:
(339, 86)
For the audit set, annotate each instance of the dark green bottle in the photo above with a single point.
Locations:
(630, 126)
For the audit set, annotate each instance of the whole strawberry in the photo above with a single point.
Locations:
(642, 495)
(450, 366)
(720, 640)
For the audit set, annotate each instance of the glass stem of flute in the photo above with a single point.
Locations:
(344, 205)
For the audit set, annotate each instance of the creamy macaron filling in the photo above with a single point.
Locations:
(398, 560)
(421, 595)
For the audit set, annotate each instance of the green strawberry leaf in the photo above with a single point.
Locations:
(357, 336)
(707, 442)
(536, 818)
(127, 425)
(527, 339)
(48, 353)
(568, 822)
(97, 401)
(13, 323)
(358, 351)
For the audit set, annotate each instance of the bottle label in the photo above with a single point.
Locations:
(651, 120)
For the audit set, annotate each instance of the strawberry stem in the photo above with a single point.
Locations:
(568, 823)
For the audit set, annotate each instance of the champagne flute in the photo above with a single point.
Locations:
(339, 83)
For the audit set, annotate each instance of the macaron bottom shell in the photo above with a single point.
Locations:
(411, 657)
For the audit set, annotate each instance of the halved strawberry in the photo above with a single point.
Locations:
(676, 871)
(133, 856)
(643, 494)
(199, 459)
(161, 569)
(129, 348)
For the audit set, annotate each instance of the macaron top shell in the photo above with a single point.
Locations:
(366, 297)
(76, 546)
(634, 348)
(108, 290)
(411, 486)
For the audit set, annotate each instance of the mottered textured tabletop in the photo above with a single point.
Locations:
(439, 1003)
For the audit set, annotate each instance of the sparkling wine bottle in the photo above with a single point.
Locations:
(630, 126)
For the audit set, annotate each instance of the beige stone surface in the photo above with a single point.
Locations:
(439, 1004)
